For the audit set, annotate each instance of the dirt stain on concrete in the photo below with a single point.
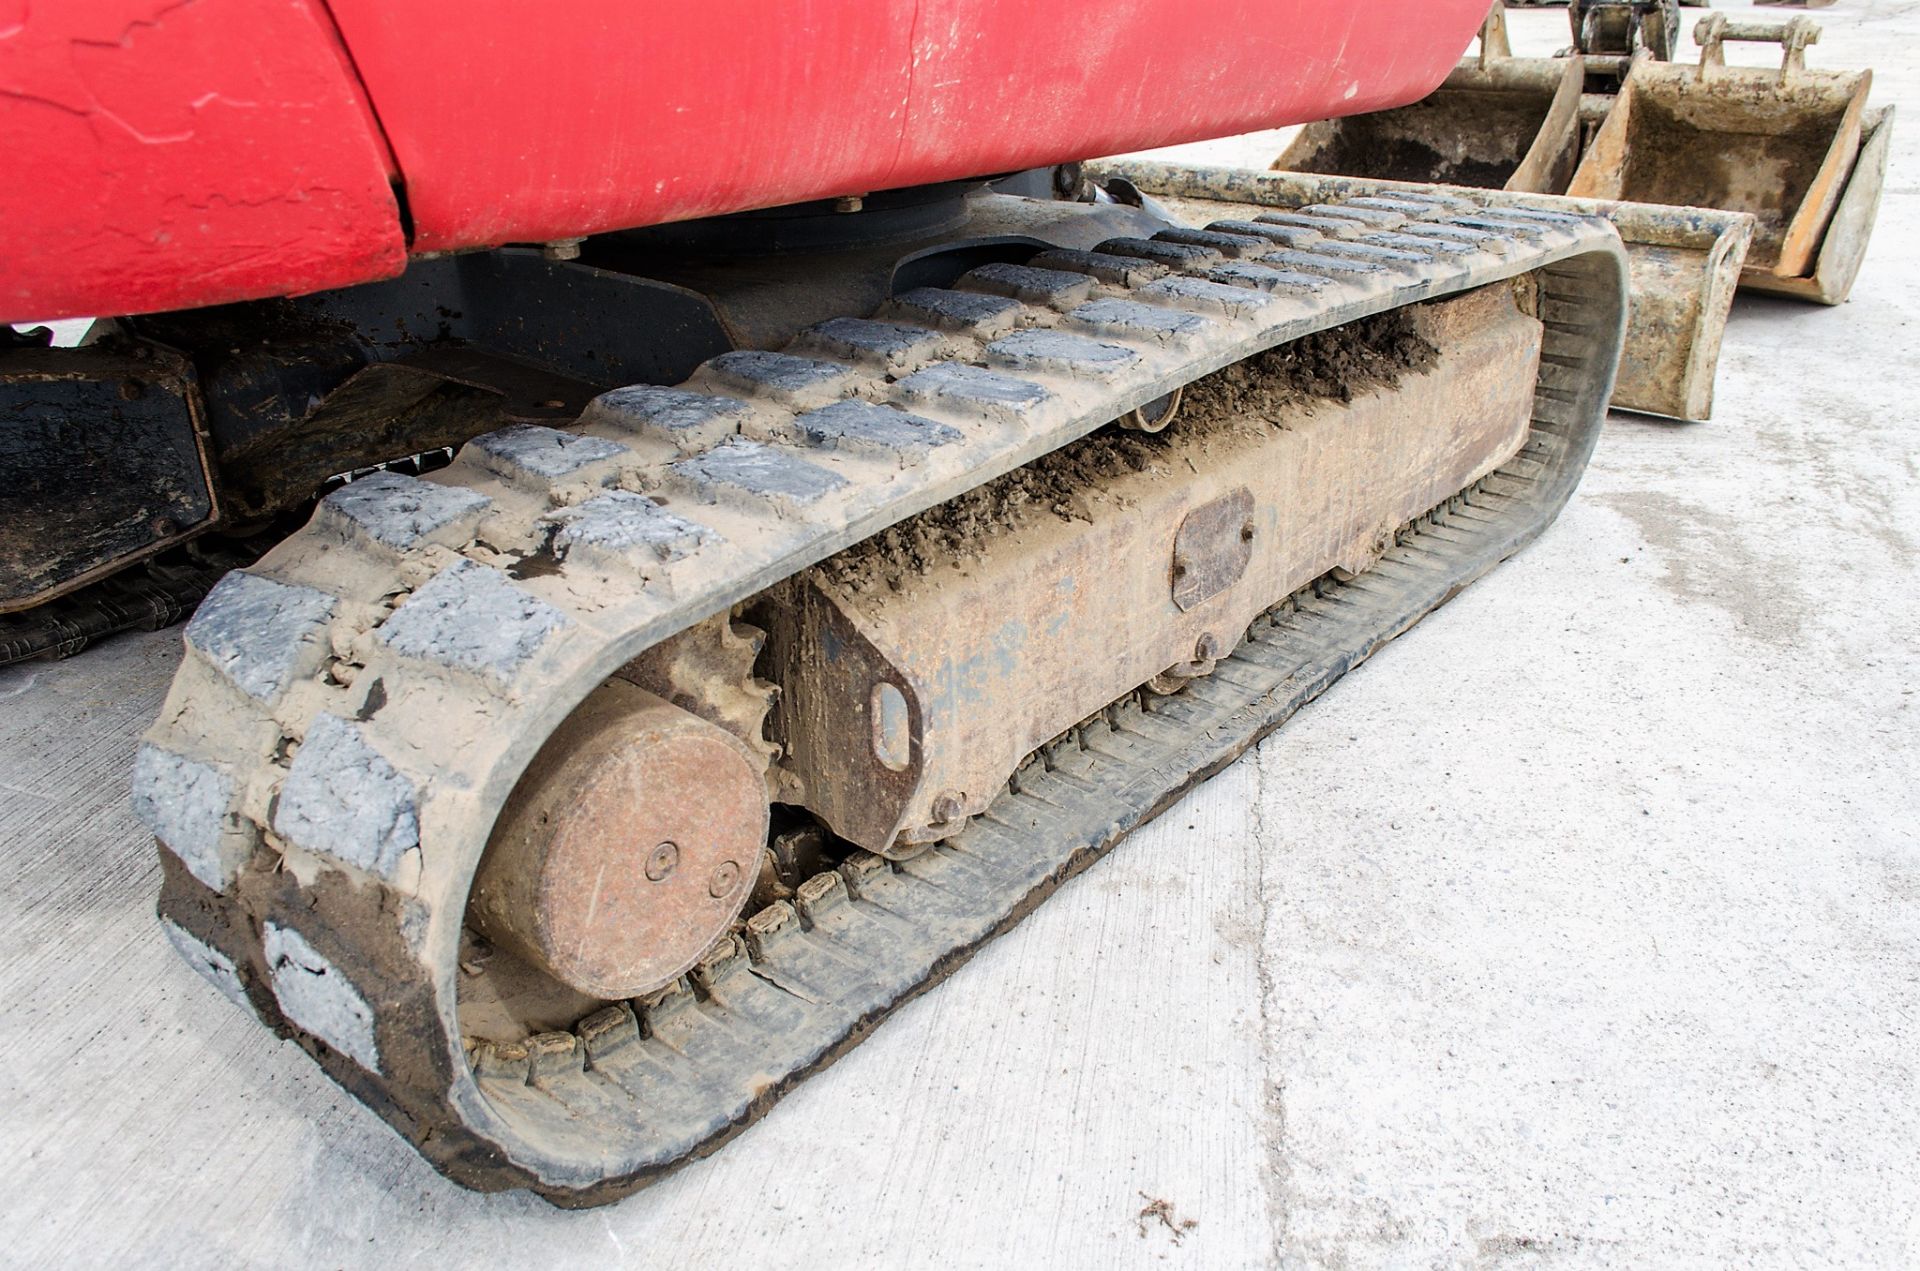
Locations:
(1161, 1211)
(1855, 501)
(1710, 559)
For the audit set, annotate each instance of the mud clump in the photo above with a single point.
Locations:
(1060, 484)
(1334, 365)
(1331, 365)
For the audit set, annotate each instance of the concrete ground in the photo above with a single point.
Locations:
(1581, 927)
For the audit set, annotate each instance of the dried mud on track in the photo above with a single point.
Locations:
(1332, 365)
(1336, 365)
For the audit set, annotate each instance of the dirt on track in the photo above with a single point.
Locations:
(1335, 365)
(1264, 389)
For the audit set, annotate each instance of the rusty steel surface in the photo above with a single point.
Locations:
(1831, 279)
(627, 849)
(1153, 416)
(1212, 547)
(1794, 150)
(1028, 619)
(1622, 27)
(1685, 264)
(707, 670)
(838, 684)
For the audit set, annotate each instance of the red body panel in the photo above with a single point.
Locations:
(513, 122)
(159, 155)
(187, 153)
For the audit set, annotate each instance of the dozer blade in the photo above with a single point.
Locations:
(1784, 146)
(1685, 265)
(466, 785)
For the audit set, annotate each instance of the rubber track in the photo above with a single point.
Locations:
(155, 593)
(352, 712)
(811, 979)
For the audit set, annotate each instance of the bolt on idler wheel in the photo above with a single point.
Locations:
(627, 849)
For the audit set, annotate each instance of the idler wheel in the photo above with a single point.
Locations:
(1154, 416)
(627, 849)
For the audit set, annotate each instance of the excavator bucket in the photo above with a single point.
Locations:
(1845, 242)
(1683, 266)
(1498, 122)
(1694, 165)
(1503, 122)
(1784, 146)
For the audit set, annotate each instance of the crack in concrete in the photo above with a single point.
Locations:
(1275, 1179)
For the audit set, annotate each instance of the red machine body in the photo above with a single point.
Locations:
(167, 155)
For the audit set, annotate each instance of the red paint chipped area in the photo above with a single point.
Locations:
(176, 154)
